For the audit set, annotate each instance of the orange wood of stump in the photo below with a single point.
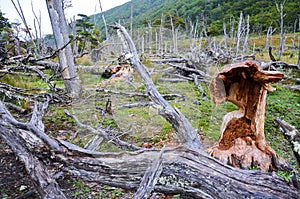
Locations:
(242, 141)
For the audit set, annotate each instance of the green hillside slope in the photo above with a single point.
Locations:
(263, 13)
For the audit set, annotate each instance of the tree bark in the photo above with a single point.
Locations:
(60, 32)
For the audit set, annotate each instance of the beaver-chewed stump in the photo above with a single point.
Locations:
(242, 141)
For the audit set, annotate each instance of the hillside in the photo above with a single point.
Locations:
(262, 13)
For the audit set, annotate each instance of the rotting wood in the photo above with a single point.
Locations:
(293, 87)
(169, 60)
(242, 142)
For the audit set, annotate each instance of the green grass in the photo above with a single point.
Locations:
(283, 103)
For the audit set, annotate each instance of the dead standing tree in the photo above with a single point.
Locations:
(280, 9)
(187, 170)
(66, 60)
(242, 142)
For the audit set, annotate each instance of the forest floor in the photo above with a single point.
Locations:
(141, 126)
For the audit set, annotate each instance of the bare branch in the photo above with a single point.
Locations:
(103, 133)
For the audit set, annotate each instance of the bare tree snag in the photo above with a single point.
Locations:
(60, 32)
(242, 141)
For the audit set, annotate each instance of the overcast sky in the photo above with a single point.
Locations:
(87, 7)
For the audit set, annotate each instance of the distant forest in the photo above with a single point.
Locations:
(263, 13)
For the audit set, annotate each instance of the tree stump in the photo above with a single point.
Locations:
(242, 141)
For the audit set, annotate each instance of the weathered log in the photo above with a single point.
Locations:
(26, 138)
(170, 60)
(46, 186)
(242, 141)
(137, 94)
(293, 87)
(292, 135)
(184, 171)
(192, 173)
(193, 70)
(187, 172)
(172, 80)
(266, 65)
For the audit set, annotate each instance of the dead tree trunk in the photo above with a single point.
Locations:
(104, 21)
(232, 22)
(299, 50)
(161, 29)
(173, 41)
(191, 35)
(280, 9)
(294, 46)
(150, 37)
(242, 141)
(225, 38)
(239, 35)
(131, 18)
(60, 32)
(246, 42)
(267, 37)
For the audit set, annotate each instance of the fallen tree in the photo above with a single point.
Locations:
(187, 169)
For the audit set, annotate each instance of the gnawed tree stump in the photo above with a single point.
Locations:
(242, 142)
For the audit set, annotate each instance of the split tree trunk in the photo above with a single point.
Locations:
(242, 141)
(66, 60)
